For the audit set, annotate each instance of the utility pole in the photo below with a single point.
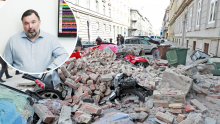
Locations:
(184, 30)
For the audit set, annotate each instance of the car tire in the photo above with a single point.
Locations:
(51, 94)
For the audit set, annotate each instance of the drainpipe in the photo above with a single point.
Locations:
(183, 32)
(216, 53)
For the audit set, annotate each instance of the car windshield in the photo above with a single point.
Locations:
(158, 37)
(146, 38)
(144, 41)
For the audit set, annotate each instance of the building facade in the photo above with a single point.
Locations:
(104, 18)
(165, 23)
(195, 24)
(139, 25)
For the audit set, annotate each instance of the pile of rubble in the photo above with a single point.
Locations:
(186, 94)
(136, 50)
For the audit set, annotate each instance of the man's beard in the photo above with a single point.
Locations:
(32, 34)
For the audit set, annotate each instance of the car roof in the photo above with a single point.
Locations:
(133, 38)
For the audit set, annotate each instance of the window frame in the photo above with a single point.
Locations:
(198, 13)
(190, 18)
(210, 11)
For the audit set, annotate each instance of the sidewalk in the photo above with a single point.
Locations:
(17, 79)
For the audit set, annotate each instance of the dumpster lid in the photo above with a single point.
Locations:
(214, 59)
(175, 48)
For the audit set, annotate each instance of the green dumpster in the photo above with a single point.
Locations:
(172, 58)
(181, 54)
(216, 61)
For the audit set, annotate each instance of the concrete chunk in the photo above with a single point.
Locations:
(198, 105)
(65, 115)
(164, 117)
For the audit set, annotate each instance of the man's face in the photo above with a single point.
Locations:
(31, 25)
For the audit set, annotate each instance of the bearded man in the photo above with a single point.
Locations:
(33, 49)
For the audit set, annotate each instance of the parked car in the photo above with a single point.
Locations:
(149, 39)
(87, 44)
(157, 38)
(148, 47)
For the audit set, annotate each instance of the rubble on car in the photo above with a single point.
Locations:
(186, 94)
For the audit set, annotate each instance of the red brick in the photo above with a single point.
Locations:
(90, 83)
(169, 93)
(212, 89)
(78, 78)
(60, 73)
(141, 109)
(143, 116)
(70, 66)
(75, 99)
(109, 104)
(164, 117)
(93, 76)
(77, 114)
(65, 71)
(198, 105)
(117, 107)
(108, 91)
(96, 99)
(189, 108)
(96, 117)
(161, 103)
(217, 86)
(199, 89)
(43, 112)
(201, 95)
(215, 96)
(161, 109)
(177, 111)
(85, 78)
(71, 83)
(180, 118)
(86, 89)
(73, 71)
(91, 108)
(105, 107)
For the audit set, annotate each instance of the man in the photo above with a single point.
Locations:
(4, 69)
(121, 39)
(98, 40)
(156, 53)
(79, 44)
(32, 50)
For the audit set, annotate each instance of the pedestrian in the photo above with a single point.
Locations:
(4, 69)
(156, 53)
(121, 39)
(79, 44)
(118, 40)
(32, 50)
(98, 40)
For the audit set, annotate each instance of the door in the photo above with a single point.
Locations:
(187, 43)
(146, 45)
(206, 48)
(194, 45)
(179, 41)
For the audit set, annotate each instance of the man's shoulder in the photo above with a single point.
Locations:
(46, 34)
(18, 35)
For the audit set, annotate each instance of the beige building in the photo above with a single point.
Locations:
(139, 25)
(196, 24)
(165, 23)
(104, 18)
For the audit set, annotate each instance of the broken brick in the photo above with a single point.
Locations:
(43, 112)
(161, 103)
(177, 111)
(108, 91)
(91, 108)
(77, 114)
(65, 71)
(198, 105)
(164, 117)
(215, 96)
(71, 83)
(78, 79)
(189, 108)
(60, 73)
(180, 118)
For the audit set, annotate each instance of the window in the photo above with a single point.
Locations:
(198, 13)
(97, 26)
(104, 27)
(146, 38)
(97, 6)
(104, 10)
(190, 18)
(135, 41)
(144, 42)
(109, 12)
(77, 1)
(212, 14)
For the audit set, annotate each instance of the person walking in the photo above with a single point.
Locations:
(118, 40)
(122, 39)
(156, 53)
(98, 40)
(79, 44)
(4, 69)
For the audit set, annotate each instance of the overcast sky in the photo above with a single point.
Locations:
(154, 10)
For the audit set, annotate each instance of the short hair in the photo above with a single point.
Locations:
(29, 12)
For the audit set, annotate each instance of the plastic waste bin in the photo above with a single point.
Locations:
(163, 48)
(216, 61)
(172, 58)
(181, 54)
